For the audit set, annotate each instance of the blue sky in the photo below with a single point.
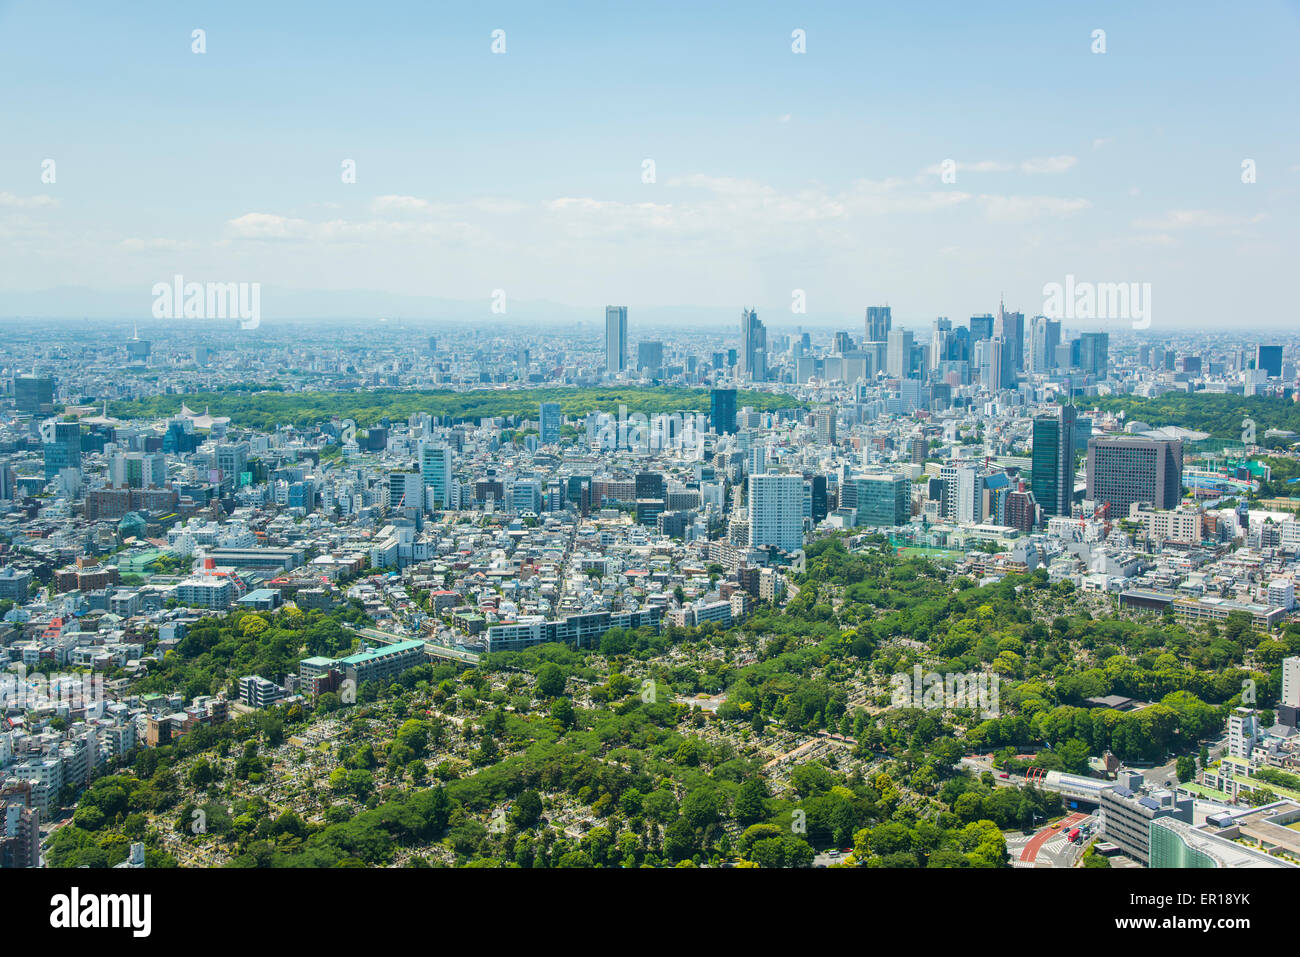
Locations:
(775, 171)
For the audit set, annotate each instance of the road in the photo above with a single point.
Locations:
(1049, 847)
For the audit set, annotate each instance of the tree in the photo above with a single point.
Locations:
(527, 809)
(550, 680)
(750, 805)
(1186, 768)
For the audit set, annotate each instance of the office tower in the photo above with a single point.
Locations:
(843, 343)
(137, 470)
(615, 339)
(962, 495)
(918, 449)
(649, 485)
(818, 506)
(232, 459)
(1094, 353)
(33, 395)
(61, 444)
(993, 358)
(549, 419)
(753, 347)
(913, 394)
(959, 345)
(722, 411)
(137, 349)
(900, 354)
(1011, 326)
(970, 496)
(649, 356)
(1067, 356)
(8, 483)
(981, 327)
(776, 511)
(526, 496)
(435, 473)
(1269, 358)
(881, 499)
(939, 341)
(824, 419)
(1044, 338)
(1053, 460)
(1123, 469)
(879, 322)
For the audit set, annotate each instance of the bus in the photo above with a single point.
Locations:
(1075, 836)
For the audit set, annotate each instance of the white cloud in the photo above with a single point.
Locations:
(1044, 164)
(27, 202)
(1015, 209)
(1197, 219)
(1049, 164)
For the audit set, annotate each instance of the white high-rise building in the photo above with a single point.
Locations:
(900, 354)
(1241, 733)
(1291, 682)
(776, 511)
(615, 339)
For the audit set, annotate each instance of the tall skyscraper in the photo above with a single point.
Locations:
(981, 327)
(61, 444)
(776, 511)
(753, 347)
(435, 470)
(649, 356)
(1094, 353)
(549, 420)
(939, 341)
(824, 418)
(722, 411)
(1011, 326)
(1269, 359)
(880, 499)
(1044, 337)
(879, 322)
(1123, 469)
(33, 395)
(900, 354)
(1053, 460)
(615, 339)
(993, 358)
